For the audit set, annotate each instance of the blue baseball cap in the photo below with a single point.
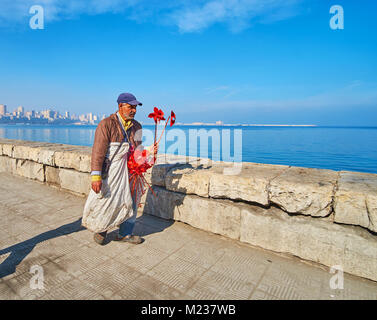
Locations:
(128, 98)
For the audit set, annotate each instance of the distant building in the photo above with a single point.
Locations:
(92, 118)
(20, 111)
(3, 109)
(47, 114)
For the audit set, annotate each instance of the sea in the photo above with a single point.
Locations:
(323, 147)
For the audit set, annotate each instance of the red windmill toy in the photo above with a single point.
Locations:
(140, 161)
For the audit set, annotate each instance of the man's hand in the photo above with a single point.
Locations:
(153, 148)
(96, 186)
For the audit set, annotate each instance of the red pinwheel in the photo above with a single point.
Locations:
(140, 161)
(157, 115)
(172, 121)
(172, 118)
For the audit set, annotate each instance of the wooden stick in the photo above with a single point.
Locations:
(163, 130)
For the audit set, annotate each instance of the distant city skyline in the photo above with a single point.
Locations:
(51, 116)
(21, 114)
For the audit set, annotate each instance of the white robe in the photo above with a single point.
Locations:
(113, 204)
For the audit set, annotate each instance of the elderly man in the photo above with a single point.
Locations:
(110, 203)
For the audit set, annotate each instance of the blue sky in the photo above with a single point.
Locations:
(239, 61)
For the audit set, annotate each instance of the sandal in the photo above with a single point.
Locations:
(100, 237)
(130, 239)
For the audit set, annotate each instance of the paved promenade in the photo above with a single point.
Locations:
(42, 243)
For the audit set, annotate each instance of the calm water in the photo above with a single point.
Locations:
(337, 148)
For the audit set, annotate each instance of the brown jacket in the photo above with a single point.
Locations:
(109, 130)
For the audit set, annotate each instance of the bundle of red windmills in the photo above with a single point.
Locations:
(140, 161)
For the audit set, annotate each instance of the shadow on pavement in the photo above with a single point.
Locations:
(20, 250)
(163, 217)
(145, 225)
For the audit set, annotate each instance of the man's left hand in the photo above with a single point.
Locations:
(153, 148)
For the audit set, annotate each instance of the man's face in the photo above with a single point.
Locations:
(127, 111)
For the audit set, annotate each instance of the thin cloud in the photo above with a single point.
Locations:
(238, 14)
(226, 91)
(351, 95)
(187, 16)
(217, 89)
(18, 10)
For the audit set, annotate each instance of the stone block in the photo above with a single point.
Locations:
(7, 164)
(21, 152)
(35, 151)
(158, 173)
(67, 158)
(8, 146)
(26, 151)
(52, 175)
(217, 216)
(7, 150)
(75, 181)
(356, 200)
(30, 169)
(45, 155)
(250, 184)
(164, 158)
(73, 157)
(188, 179)
(330, 244)
(304, 190)
(85, 161)
(164, 162)
(162, 203)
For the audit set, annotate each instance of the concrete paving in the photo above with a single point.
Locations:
(46, 254)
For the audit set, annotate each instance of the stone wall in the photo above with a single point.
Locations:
(323, 216)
